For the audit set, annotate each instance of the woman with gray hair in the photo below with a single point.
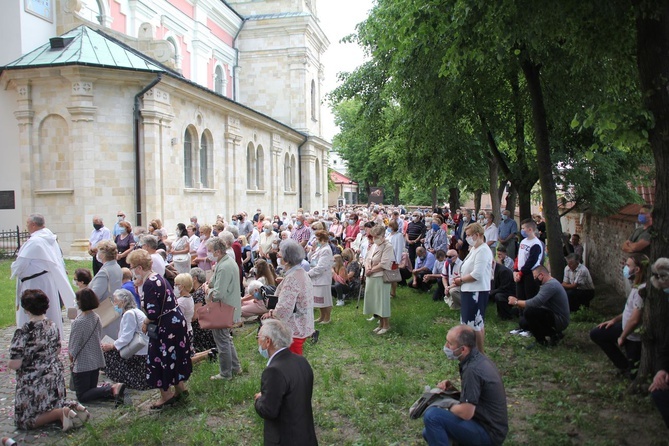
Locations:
(224, 287)
(377, 292)
(295, 306)
(107, 280)
(203, 340)
(130, 371)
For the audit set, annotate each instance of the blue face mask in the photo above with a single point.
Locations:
(523, 233)
(626, 272)
(118, 310)
(642, 219)
(504, 217)
(435, 227)
(298, 223)
(263, 352)
(351, 222)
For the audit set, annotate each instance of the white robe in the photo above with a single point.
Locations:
(42, 253)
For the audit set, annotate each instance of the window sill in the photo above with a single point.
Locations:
(191, 190)
(289, 192)
(255, 192)
(54, 192)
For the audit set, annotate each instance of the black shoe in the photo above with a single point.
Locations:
(314, 336)
(119, 398)
(213, 355)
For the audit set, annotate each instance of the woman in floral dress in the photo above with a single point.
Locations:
(169, 362)
(40, 386)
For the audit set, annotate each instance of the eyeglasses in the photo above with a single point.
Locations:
(120, 215)
(661, 276)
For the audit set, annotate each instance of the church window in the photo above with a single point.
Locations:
(188, 158)
(250, 167)
(313, 100)
(218, 80)
(318, 177)
(205, 159)
(260, 161)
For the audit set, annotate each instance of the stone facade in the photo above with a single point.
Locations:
(199, 153)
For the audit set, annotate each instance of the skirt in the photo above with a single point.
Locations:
(322, 296)
(131, 372)
(472, 308)
(377, 297)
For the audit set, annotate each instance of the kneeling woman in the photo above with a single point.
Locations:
(40, 385)
(86, 353)
(131, 371)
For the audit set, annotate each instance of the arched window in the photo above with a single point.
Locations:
(218, 80)
(205, 159)
(188, 158)
(250, 167)
(293, 172)
(92, 11)
(175, 47)
(286, 173)
(260, 161)
(313, 100)
(318, 176)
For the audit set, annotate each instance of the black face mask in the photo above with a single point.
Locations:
(538, 282)
(97, 227)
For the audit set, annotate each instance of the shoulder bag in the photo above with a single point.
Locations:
(433, 397)
(139, 341)
(216, 315)
(106, 308)
(392, 275)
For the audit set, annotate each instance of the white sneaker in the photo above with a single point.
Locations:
(371, 319)
(340, 303)
(516, 331)
(525, 334)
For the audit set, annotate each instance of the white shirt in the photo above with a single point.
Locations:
(187, 307)
(253, 241)
(491, 232)
(478, 264)
(158, 264)
(131, 321)
(194, 242)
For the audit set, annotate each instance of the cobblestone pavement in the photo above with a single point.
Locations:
(49, 434)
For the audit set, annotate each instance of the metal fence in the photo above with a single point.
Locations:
(11, 240)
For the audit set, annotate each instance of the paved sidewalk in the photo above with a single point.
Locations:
(49, 434)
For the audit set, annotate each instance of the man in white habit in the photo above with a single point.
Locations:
(40, 266)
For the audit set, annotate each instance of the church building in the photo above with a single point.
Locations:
(161, 108)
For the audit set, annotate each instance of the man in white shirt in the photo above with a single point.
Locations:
(100, 233)
(451, 271)
(578, 283)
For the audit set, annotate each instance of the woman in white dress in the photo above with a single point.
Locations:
(321, 259)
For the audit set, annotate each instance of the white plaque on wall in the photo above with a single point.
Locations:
(41, 8)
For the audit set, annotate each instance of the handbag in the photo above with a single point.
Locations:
(392, 275)
(137, 343)
(216, 315)
(106, 312)
(433, 397)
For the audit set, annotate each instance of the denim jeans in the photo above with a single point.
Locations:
(228, 363)
(87, 389)
(441, 426)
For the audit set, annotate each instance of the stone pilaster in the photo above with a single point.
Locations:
(25, 114)
(234, 186)
(276, 151)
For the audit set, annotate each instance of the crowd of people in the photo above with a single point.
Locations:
(278, 270)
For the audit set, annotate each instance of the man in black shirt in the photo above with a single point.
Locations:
(415, 235)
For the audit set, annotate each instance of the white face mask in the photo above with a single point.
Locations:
(97, 257)
(471, 240)
(210, 257)
(177, 291)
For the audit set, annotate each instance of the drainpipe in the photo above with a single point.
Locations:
(299, 170)
(135, 133)
(236, 65)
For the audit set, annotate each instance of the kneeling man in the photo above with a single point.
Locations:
(547, 313)
(480, 418)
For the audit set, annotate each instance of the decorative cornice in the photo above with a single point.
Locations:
(82, 113)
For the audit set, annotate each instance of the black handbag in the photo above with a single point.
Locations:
(430, 397)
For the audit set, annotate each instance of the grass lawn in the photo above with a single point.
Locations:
(364, 385)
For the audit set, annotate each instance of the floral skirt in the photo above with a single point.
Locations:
(203, 339)
(131, 372)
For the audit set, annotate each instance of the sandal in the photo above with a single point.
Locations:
(119, 398)
(169, 402)
(82, 413)
(68, 419)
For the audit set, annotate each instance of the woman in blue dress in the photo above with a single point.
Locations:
(168, 361)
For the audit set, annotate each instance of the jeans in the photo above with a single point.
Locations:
(578, 298)
(441, 426)
(607, 340)
(339, 289)
(540, 321)
(86, 385)
(228, 363)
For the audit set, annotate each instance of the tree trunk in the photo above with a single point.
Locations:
(434, 197)
(493, 173)
(524, 201)
(511, 199)
(545, 168)
(453, 199)
(396, 194)
(477, 202)
(652, 29)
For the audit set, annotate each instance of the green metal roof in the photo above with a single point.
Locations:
(88, 47)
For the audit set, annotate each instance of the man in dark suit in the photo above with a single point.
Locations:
(284, 400)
